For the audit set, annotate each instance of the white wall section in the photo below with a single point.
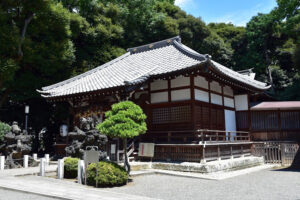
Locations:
(200, 81)
(180, 95)
(180, 81)
(216, 99)
(241, 102)
(228, 102)
(159, 97)
(228, 91)
(215, 86)
(159, 85)
(201, 95)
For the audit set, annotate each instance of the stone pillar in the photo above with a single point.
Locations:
(34, 156)
(60, 169)
(47, 159)
(80, 172)
(42, 166)
(2, 162)
(25, 161)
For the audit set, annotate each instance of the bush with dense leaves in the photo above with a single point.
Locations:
(109, 174)
(4, 128)
(70, 167)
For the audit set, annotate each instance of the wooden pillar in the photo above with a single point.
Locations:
(193, 113)
(219, 153)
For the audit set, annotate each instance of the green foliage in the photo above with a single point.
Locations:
(124, 120)
(109, 174)
(70, 167)
(4, 128)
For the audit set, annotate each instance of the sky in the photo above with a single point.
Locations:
(238, 12)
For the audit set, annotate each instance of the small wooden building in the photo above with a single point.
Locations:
(275, 121)
(188, 97)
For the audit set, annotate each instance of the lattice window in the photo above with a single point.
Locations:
(176, 114)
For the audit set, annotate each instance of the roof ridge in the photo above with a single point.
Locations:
(50, 87)
(154, 45)
(189, 52)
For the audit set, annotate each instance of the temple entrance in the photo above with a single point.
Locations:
(230, 124)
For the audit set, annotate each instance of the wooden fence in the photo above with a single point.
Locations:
(276, 152)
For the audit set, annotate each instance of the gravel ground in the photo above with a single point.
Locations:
(266, 184)
(15, 195)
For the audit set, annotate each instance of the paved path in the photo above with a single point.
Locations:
(62, 189)
(267, 184)
(16, 195)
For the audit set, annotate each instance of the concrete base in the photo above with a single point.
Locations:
(208, 167)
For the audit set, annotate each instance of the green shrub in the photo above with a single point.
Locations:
(109, 174)
(70, 167)
(4, 128)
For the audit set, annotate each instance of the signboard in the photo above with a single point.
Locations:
(146, 149)
(91, 155)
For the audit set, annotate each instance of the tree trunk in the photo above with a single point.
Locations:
(126, 163)
(22, 38)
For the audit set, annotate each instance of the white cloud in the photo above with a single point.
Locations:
(241, 17)
(181, 2)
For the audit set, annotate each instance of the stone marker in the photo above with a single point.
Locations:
(80, 172)
(60, 169)
(2, 162)
(47, 159)
(25, 161)
(42, 166)
(34, 156)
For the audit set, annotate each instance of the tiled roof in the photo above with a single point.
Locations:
(277, 105)
(138, 65)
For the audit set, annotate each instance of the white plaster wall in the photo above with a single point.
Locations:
(201, 82)
(241, 102)
(180, 81)
(228, 91)
(159, 97)
(180, 95)
(201, 95)
(215, 86)
(216, 99)
(228, 102)
(230, 123)
(159, 85)
(138, 94)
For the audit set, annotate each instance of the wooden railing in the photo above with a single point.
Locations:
(222, 136)
(196, 136)
(201, 152)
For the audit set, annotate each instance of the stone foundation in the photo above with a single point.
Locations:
(209, 167)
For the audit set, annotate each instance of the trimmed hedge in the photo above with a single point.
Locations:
(70, 167)
(109, 174)
(4, 128)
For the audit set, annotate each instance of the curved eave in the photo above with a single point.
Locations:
(241, 84)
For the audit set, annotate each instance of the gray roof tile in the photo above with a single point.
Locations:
(139, 64)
